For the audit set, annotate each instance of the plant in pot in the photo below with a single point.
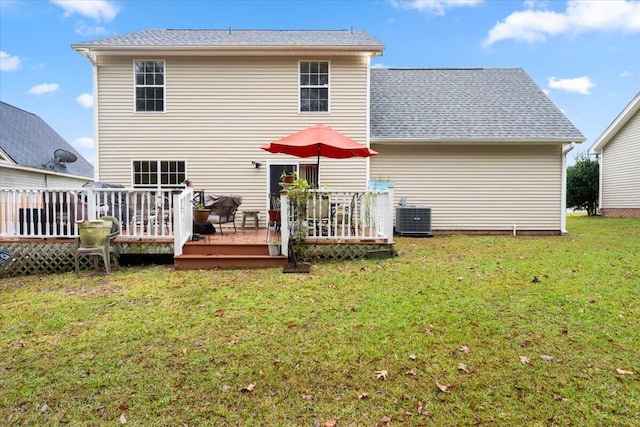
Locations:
(298, 205)
(288, 178)
(275, 248)
(200, 213)
(93, 234)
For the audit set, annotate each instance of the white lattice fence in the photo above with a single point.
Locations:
(38, 258)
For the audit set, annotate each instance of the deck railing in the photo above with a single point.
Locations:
(51, 213)
(345, 216)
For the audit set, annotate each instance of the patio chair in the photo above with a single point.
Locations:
(104, 251)
(275, 219)
(225, 215)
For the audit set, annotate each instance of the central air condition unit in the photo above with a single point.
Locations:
(413, 221)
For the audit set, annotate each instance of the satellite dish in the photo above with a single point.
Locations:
(60, 157)
(64, 156)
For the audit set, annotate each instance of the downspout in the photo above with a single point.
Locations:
(600, 170)
(563, 202)
(96, 160)
(368, 123)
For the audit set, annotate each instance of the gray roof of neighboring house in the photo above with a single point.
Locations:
(238, 38)
(481, 104)
(30, 141)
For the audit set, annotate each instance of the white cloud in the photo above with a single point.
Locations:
(86, 100)
(434, 7)
(626, 73)
(580, 85)
(580, 17)
(98, 10)
(89, 30)
(9, 62)
(44, 88)
(83, 142)
(379, 65)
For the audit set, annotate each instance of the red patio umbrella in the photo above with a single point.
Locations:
(319, 140)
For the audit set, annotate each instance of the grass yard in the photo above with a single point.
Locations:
(496, 331)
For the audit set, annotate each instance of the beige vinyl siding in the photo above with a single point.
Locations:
(621, 168)
(218, 112)
(23, 179)
(472, 187)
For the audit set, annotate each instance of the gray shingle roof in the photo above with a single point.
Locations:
(501, 104)
(30, 142)
(238, 38)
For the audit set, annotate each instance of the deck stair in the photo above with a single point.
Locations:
(203, 255)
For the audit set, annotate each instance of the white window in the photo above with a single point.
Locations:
(314, 86)
(149, 85)
(158, 173)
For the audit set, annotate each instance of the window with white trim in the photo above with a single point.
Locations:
(314, 86)
(149, 85)
(159, 173)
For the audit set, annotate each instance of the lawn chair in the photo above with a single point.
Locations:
(226, 215)
(104, 251)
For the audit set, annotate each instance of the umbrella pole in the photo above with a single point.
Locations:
(318, 169)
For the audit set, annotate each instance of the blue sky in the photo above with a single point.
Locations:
(584, 54)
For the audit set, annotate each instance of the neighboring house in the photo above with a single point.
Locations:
(619, 151)
(27, 147)
(485, 149)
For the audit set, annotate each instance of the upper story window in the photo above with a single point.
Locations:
(158, 173)
(314, 86)
(149, 81)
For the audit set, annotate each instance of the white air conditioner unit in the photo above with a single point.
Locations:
(413, 221)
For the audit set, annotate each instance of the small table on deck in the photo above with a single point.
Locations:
(250, 214)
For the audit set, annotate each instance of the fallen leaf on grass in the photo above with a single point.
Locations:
(560, 398)
(464, 368)
(381, 375)
(524, 360)
(123, 419)
(464, 349)
(44, 408)
(443, 388)
(411, 373)
(362, 395)
(535, 279)
(549, 358)
(413, 357)
(307, 397)
(384, 420)
(624, 372)
(248, 388)
(330, 423)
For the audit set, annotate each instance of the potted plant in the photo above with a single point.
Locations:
(93, 234)
(200, 213)
(298, 205)
(275, 248)
(288, 178)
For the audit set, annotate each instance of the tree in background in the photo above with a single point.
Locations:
(583, 180)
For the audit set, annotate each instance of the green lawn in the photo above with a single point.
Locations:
(533, 331)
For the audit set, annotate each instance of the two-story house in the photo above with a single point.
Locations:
(485, 149)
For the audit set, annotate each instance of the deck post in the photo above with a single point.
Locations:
(91, 204)
(389, 215)
(284, 221)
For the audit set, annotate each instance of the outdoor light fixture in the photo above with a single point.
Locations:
(256, 164)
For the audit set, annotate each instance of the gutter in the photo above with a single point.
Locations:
(563, 192)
